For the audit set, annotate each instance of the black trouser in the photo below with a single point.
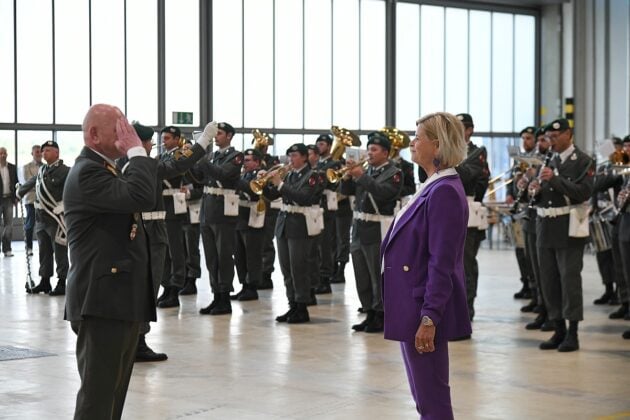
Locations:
(192, 235)
(29, 225)
(474, 237)
(343, 224)
(218, 246)
(606, 266)
(367, 273)
(293, 256)
(524, 266)
(269, 251)
(561, 280)
(158, 254)
(106, 350)
(327, 245)
(620, 265)
(248, 256)
(624, 253)
(532, 253)
(47, 248)
(177, 256)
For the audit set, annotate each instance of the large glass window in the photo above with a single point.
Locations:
(524, 71)
(7, 69)
(480, 74)
(432, 59)
(407, 65)
(70, 145)
(346, 63)
(34, 61)
(372, 72)
(456, 60)
(72, 61)
(502, 72)
(317, 63)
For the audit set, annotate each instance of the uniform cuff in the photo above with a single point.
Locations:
(136, 151)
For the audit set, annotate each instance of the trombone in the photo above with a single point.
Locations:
(257, 185)
(335, 175)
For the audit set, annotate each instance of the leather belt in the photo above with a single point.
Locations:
(369, 217)
(218, 191)
(154, 215)
(553, 211)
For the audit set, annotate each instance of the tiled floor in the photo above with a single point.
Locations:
(245, 366)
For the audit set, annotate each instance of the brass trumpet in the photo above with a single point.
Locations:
(257, 185)
(335, 175)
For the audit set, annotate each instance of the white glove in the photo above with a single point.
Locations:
(208, 134)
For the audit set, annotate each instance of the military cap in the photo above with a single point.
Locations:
(617, 141)
(626, 139)
(145, 133)
(298, 147)
(530, 130)
(50, 143)
(325, 137)
(312, 147)
(226, 127)
(253, 152)
(466, 119)
(540, 131)
(560, 124)
(377, 137)
(173, 130)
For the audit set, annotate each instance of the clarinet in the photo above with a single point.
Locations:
(548, 158)
(519, 196)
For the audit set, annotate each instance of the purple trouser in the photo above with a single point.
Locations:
(428, 379)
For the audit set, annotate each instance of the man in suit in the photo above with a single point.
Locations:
(109, 291)
(29, 171)
(8, 179)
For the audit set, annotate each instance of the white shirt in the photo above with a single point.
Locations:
(6, 180)
(565, 155)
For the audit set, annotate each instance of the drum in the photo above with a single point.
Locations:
(601, 233)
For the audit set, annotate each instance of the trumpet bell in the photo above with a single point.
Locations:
(333, 176)
(257, 185)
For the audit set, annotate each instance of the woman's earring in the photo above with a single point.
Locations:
(436, 163)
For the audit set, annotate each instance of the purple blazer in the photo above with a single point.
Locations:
(423, 264)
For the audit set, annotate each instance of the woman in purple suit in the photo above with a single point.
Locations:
(424, 293)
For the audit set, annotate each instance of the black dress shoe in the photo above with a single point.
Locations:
(376, 325)
(59, 290)
(339, 276)
(529, 307)
(524, 293)
(603, 299)
(363, 325)
(235, 296)
(537, 323)
(42, 287)
(619, 313)
(626, 335)
(300, 315)
(323, 289)
(148, 355)
(165, 293)
(266, 282)
(548, 326)
(614, 300)
(248, 294)
(171, 300)
(313, 300)
(570, 343)
(285, 316)
(538, 309)
(223, 306)
(554, 342)
(190, 288)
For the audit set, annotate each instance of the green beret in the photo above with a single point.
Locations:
(298, 147)
(175, 131)
(466, 119)
(377, 137)
(560, 124)
(226, 127)
(325, 137)
(145, 133)
(50, 143)
(530, 130)
(540, 131)
(626, 139)
(253, 152)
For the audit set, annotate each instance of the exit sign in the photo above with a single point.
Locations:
(182, 118)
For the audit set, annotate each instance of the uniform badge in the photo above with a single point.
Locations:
(134, 227)
(312, 181)
(396, 178)
(111, 169)
(238, 159)
(573, 156)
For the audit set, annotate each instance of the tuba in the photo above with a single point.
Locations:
(343, 138)
(399, 140)
(261, 140)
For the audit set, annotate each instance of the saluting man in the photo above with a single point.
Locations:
(49, 219)
(376, 190)
(565, 188)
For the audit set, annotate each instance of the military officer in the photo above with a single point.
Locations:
(219, 215)
(623, 247)
(298, 223)
(566, 184)
(49, 219)
(249, 230)
(377, 190)
(475, 174)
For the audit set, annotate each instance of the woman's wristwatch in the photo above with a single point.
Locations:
(427, 321)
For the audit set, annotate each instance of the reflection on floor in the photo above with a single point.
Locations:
(245, 366)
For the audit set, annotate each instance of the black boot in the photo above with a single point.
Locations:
(60, 288)
(626, 335)
(144, 353)
(557, 338)
(165, 293)
(285, 316)
(224, 306)
(605, 298)
(339, 276)
(548, 326)
(300, 315)
(621, 312)
(190, 288)
(363, 325)
(171, 300)
(42, 287)
(248, 293)
(376, 325)
(524, 293)
(570, 342)
(529, 307)
(266, 282)
(324, 286)
(209, 308)
(235, 296)
(537, 323)
(313, 300)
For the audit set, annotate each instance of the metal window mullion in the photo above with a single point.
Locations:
(491, 66)
(303, 63)
(54, 91)
(15, 70)
(332, 61)
(468, 62)
(420, 59)
(243, 63)
(125, 53)
(513, 71)
(444, 59)
(90, 49)
(360, 56)
(273, 66)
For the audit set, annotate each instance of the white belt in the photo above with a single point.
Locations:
(170, 191)
(250, 204)
(218, 191)
(369, 217)
(553, 211)
(56, 210)
(153, 215)
(289, 208)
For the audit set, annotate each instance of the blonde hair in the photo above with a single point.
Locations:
(449, 132)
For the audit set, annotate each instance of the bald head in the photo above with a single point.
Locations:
(99, 129)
